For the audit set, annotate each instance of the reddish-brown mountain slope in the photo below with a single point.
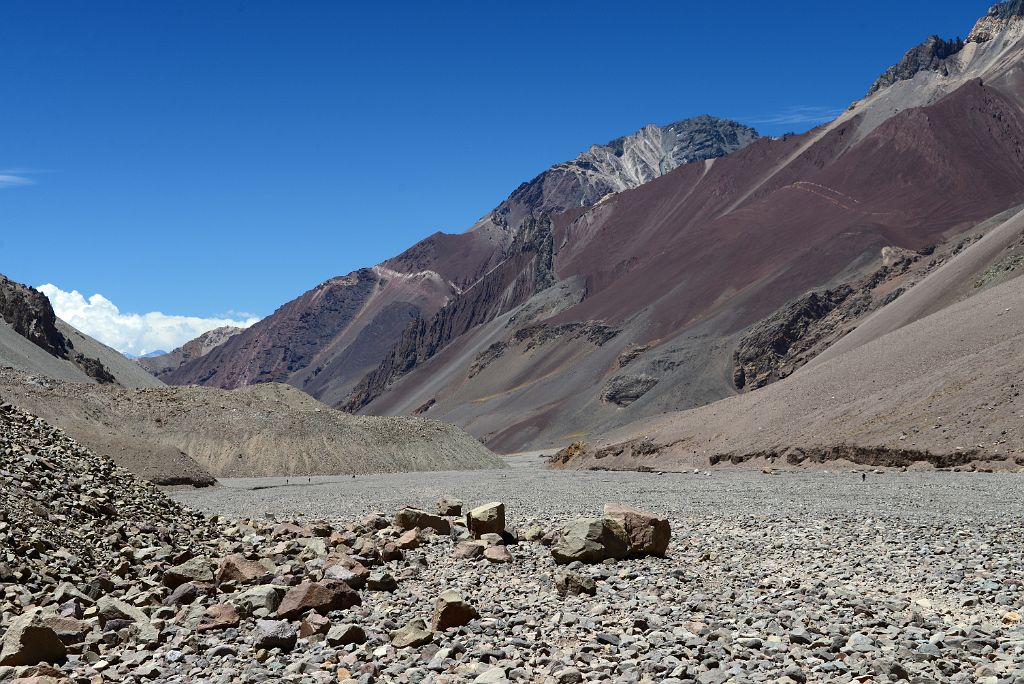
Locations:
(658, 284)
(329, 338)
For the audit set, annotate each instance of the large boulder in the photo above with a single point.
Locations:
(238, 568)
(451, 610)
(29, 642)
(486, 519)
(193, 570)
(590, 540)
(468, 550)
(111, 609)
(646, 533)
(411, 518)
(322, 597)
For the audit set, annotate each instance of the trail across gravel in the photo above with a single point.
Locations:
(529, 490)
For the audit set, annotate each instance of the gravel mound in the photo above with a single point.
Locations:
(185, 435)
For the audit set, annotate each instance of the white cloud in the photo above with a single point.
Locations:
(131, 333)
(9, 180)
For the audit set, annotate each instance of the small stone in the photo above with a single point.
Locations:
(468, 550)
(574, 584)
(451, 610)
(569, 675)
(314, 623)
(238, 568)
(275, 634)
(322, 597)
(345, 634)
(413, 634)
(411, 518)
(193, 570)
(381, 581)
(219, 616)
(408, 540)
(498, 554)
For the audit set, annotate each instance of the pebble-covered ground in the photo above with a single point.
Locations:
(795, 577)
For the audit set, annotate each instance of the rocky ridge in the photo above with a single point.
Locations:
(189, 435)
(527, 269)
(622, 164)
(930, 55)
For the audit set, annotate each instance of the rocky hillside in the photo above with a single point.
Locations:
(705, 272)
(34, 340)
(162, 364)
(329, 339)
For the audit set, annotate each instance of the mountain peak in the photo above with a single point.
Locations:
(623, 164)
(931, 55)
(998, 19)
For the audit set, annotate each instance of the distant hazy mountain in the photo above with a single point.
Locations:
(160, 363)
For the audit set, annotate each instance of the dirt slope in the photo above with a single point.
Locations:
(945, 390)
(177, 435)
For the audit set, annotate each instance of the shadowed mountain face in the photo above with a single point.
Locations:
(331, 337)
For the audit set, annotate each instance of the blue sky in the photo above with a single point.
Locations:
(210, 158)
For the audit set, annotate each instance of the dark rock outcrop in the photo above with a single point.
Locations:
(30, 314)
(756, 359)
(623, 390)
(930, 55)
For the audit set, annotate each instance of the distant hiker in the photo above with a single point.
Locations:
(863, 477)
(286, 480)
(309, 479)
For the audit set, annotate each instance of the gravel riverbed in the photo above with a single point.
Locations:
(797, 577)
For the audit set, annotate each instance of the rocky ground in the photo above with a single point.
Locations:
(790, 578)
